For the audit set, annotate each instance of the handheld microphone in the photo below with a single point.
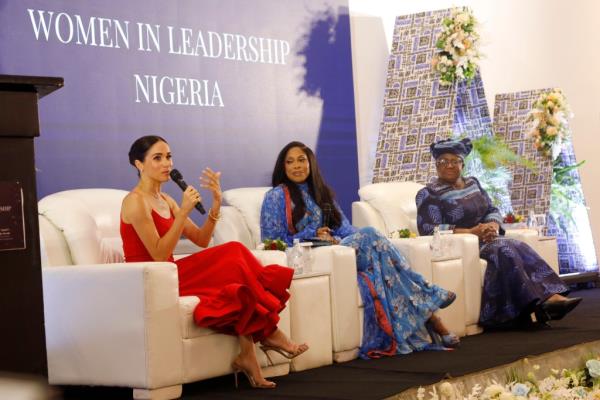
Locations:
(326, 214)
(178, 179)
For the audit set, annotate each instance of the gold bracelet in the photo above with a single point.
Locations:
(211, 216)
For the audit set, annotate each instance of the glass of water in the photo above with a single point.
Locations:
(540, 223)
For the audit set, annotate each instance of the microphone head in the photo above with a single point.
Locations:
(175, 175)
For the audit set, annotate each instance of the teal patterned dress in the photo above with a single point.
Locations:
(397, 301)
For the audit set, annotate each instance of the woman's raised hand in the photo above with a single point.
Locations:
(211, 180)
(189, 199)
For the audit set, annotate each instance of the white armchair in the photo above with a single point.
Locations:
(241, 221)
(123, 324)
(391, 206)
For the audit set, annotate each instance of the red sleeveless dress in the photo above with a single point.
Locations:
(238, 296)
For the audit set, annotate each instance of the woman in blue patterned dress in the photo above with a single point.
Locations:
(398, 303)
(517, 281)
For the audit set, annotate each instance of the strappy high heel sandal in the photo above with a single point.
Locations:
(266, 348)
(238, 368)
(449, 340)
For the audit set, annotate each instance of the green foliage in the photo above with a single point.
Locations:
(565, 192)
(488, 162)
(513, 375)
(493, 152)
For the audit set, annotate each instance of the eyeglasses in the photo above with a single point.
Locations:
(445, 163)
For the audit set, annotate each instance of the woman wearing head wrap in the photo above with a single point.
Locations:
(399, 304)
(517, 280)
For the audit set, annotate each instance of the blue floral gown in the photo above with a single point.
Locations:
(517, 278)
(397, 301)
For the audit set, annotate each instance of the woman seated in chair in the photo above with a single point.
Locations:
(238, 296)
(517, 280)
(399, 304)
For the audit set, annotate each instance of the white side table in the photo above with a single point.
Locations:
(448, 272)
(310, 313)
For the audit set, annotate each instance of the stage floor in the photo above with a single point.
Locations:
(378, 379)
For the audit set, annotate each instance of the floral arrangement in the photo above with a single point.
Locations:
(402, 234)
(582, 383)
(511, 218)
(549, 124)
(458, 44)
(276, 244)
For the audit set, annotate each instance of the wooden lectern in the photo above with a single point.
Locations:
(22, 340)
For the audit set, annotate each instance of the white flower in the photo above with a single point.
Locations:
(458, 46)
(447, 390)
(593, 367)
(462, 18)
(420, 393)
(433, 394)
(493, 390)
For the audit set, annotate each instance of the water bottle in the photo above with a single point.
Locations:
(436, 243)
(296, 258)
(531, 221)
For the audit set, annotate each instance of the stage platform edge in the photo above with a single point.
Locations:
(569, 357)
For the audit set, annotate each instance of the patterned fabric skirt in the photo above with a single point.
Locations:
(397, 301)
(516, 280)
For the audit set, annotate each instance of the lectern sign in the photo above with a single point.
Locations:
(12, 220)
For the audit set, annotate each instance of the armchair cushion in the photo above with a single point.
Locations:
(395, 201)
(248, 201)
(86, 217)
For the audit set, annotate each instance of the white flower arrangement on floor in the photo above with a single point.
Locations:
(549, 122)
(458, 43)
(582, 383)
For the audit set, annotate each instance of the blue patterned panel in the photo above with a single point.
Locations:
(530, 190)
(417, 111)
(573, 231)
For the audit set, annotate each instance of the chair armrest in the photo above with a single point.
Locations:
(462, 245)
(340, 262)
(113, 324)
(545, 246)
(417, 253)
(267, 257)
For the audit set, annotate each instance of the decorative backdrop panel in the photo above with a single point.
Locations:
(471, 113)
(417, 110)
(576, 251)
(534, 191)
(529, 190)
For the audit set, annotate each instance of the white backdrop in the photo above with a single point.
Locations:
(527, 45)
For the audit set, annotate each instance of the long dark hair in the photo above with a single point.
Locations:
(318, 189)
(140, 147)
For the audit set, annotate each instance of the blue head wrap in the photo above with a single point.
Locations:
(459, 147)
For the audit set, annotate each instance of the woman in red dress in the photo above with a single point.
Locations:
(238, 296)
